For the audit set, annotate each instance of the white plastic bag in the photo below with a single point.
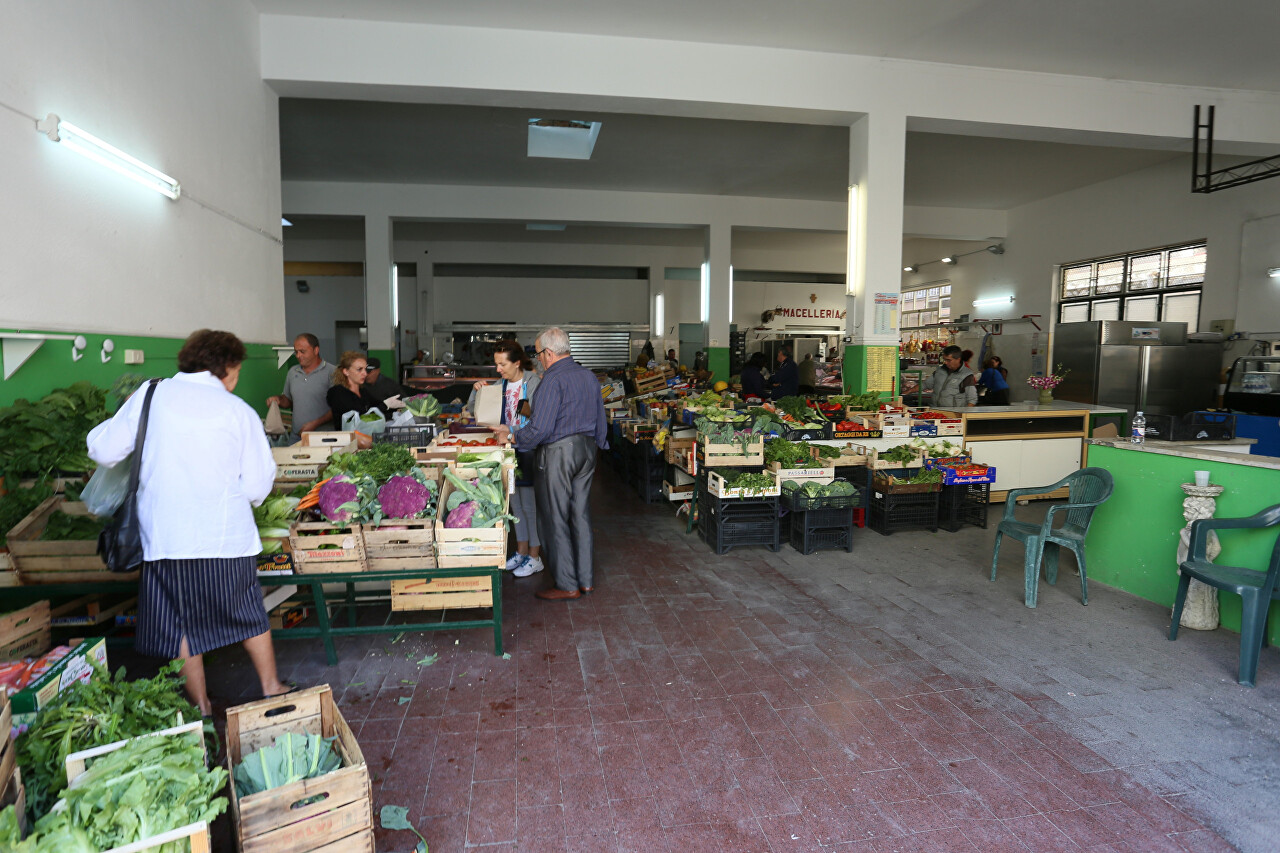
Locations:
(106, 489)
(352, 421)
(404, 417)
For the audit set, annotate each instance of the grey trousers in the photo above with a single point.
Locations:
(562, 489)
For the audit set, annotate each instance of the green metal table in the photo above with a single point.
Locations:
(326, 630)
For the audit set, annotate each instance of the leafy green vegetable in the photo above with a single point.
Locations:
(751, 484)
(49, 435)
(380, 462)
(868, 402)
(100, 711)
(799, 408)
(422, 406)
(706, 398)
(289, 758)
(144, 788)
(372, 417)
(486, 491)
(791, 454)
(397, 817)
(902, 453)
(18, 504)
(740, 432)
(62, 526)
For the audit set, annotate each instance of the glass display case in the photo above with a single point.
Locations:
(1253, 386)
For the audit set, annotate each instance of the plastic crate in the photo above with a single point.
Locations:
(754, 506)
(888, 513)
(797, 501)
(963, 505)
(819, 518)
(646, 482)
(806, 539)
(413, 435)
(724, 533)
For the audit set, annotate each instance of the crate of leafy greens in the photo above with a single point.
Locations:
(299, 779)
(800, 420)
(799, 460)
(803, 496)
(729, 438)
(924, 480)
(899, 456)
(471, 524)
(152, 792)
(728, 484)
(401, 533)
(58, 543)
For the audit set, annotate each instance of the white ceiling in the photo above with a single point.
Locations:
(1228, 45)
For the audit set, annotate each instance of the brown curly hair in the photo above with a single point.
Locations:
(216, 352)
(349, 358)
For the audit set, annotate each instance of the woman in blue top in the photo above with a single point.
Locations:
(994, 380)
(518, 384)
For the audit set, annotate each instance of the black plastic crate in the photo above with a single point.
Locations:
(736, 507)
(723, 533)
(647, 483)
(887, 513)
(796, 501)
(411, 435)
(818, 518)
(962, 505)
(807, 539)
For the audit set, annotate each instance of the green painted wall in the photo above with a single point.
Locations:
(51, 367)
(718, 363)
(1133, 540)
(855, 369)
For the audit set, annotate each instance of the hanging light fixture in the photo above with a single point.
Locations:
(950, 260)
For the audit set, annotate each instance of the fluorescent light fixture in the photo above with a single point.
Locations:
(105, 154)
(660, 313)
(949, 259)
(284, 223)
(851, 270)
(564, 139)
(543, 226)
(912, 268)
(395, 296)
(704, 283)
(1274, 272)
(993, 300)
(730, 294)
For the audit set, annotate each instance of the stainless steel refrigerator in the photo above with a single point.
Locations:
(1136, 365)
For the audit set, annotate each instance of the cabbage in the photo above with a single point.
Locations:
(403, 497)
(461, 515)
(339, 499)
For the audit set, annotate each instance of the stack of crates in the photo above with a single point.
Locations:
(909, 509)
(725, 523)
(646, 471)
(824, 523)
(964, 504)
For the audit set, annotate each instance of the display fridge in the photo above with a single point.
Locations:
(1253, 393)
(1136, 366)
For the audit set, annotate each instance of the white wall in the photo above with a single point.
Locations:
(329, 299)
(541, 300)
(177, 85)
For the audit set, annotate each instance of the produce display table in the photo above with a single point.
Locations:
(326, 630)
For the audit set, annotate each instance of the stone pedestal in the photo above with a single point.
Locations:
(1201, 609)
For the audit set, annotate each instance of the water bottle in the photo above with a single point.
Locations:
(1139, 431)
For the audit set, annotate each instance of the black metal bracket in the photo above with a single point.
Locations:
(1210, 180)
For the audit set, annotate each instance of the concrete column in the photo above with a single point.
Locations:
(378, 254)
(877, 154)
(716, 295)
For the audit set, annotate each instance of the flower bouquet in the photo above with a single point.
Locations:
(1046, 384)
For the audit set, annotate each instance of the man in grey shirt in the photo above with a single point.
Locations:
(306, 388)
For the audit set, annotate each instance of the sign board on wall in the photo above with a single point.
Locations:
(882, 369)
(886, 317)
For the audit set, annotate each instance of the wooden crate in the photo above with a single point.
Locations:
(716, 486)
(13, 793)
(8, 749)
(468, 547)
(69, 561)
(8, 574)
(302, 463)
(442, 593)
(271, 821)
(310, 556)
(89, 610)
(25, 632)
(332, 439)
(803, 475)
(881, 483)
(715, 455)
(677, 450)
(400, 543)
(197, 834)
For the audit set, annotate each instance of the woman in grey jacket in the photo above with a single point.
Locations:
(519, 381)
(953, 384)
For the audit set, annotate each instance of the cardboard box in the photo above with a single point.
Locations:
(76, 666)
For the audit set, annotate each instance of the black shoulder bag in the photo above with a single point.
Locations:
(120, 542)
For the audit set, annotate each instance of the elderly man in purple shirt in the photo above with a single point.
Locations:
(566, 427)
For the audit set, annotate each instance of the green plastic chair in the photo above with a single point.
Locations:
(1089, 488)
(1255, 587)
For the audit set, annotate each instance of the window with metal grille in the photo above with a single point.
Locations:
(926, 306)
(1153, 284)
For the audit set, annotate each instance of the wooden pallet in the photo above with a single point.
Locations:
(275, 821)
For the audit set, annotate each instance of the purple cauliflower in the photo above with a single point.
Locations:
(339, 499)
(403, 497)
(462, 514)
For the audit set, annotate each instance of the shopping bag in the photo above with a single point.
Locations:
(489, 405)
(275, 421)
(404, 417)
(353, 421)
(106, 489)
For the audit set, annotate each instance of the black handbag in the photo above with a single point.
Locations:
(120, 542)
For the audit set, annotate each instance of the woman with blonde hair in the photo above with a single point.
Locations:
(349, 393)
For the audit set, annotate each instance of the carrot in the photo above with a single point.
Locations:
(312, 498)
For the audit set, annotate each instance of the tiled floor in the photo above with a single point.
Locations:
(885, 700)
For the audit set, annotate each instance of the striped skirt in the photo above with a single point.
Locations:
(211, 602)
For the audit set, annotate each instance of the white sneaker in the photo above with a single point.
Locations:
(530, 566)
(516, 561)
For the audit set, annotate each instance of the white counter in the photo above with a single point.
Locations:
(1055, 406)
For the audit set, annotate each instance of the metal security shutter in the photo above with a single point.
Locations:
(601, 350)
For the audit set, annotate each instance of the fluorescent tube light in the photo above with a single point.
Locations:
(1274, 272)
(284, 223)
(87, 145)
(660, 313)
(704, 283)
(730, 294)
(993, 300)
(851, 270)
(950, 259)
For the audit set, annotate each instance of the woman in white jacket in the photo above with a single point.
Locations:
(205, 464)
